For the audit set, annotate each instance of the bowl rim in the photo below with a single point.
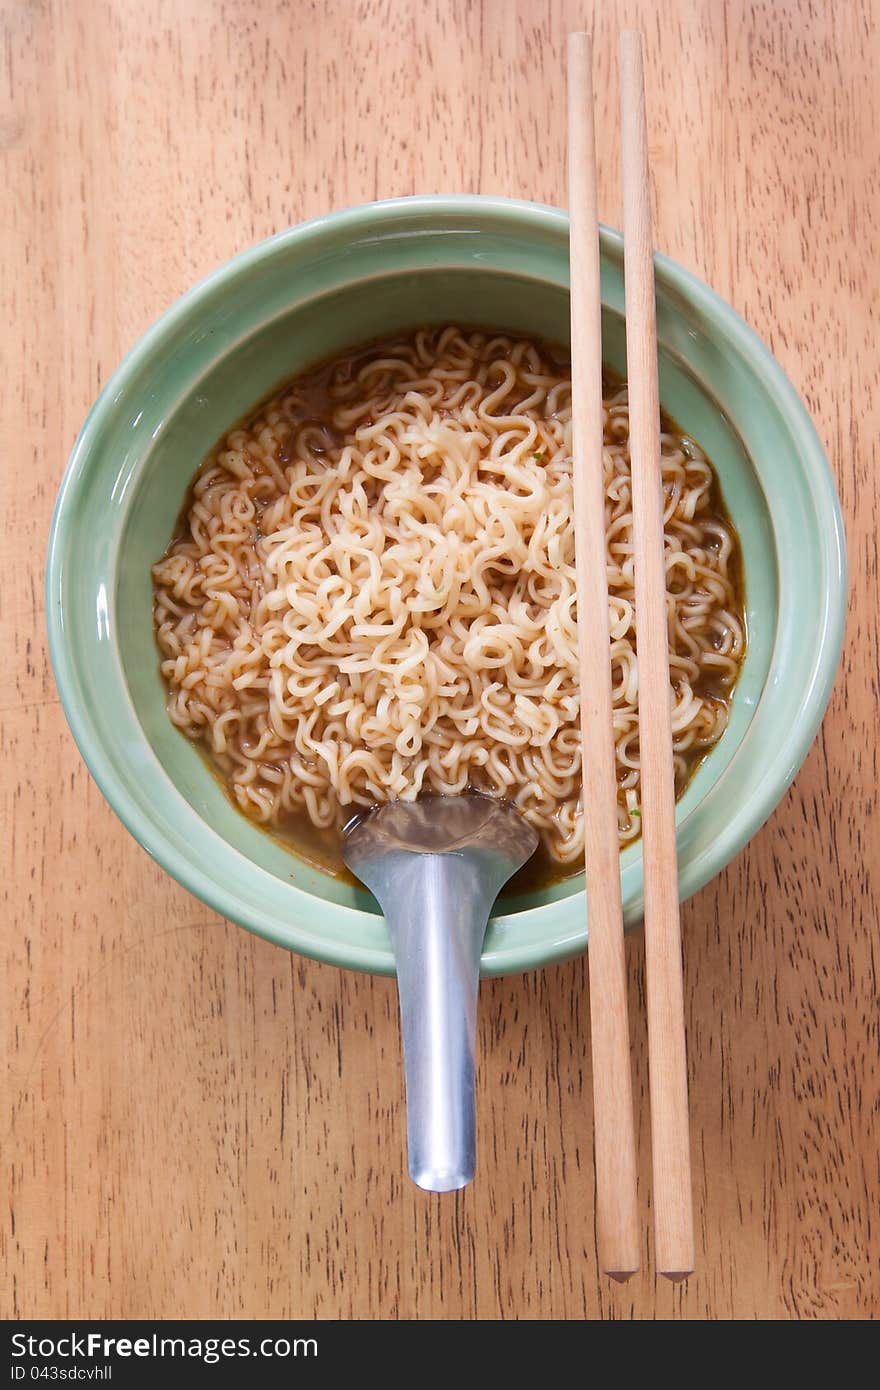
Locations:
(508, 956)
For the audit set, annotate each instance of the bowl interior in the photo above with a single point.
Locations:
(295, 340)
(285, 306)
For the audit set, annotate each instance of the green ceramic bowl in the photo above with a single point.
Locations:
(308, 293)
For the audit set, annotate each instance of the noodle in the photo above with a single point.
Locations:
(372, 594)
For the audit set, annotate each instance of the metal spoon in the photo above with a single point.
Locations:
(436, 867)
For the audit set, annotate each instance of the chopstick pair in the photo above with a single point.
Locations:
(617, 1210)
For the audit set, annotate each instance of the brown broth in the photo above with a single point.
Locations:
(321, 846)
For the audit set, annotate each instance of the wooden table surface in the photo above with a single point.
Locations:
(199, 1124)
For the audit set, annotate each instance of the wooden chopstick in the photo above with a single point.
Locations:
(673, 1205)
(615, 1146)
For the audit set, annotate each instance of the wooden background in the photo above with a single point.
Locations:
(197, 1123)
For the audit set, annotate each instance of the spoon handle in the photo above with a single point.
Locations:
(437, 915)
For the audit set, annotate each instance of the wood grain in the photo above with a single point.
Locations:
(197, 1123)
